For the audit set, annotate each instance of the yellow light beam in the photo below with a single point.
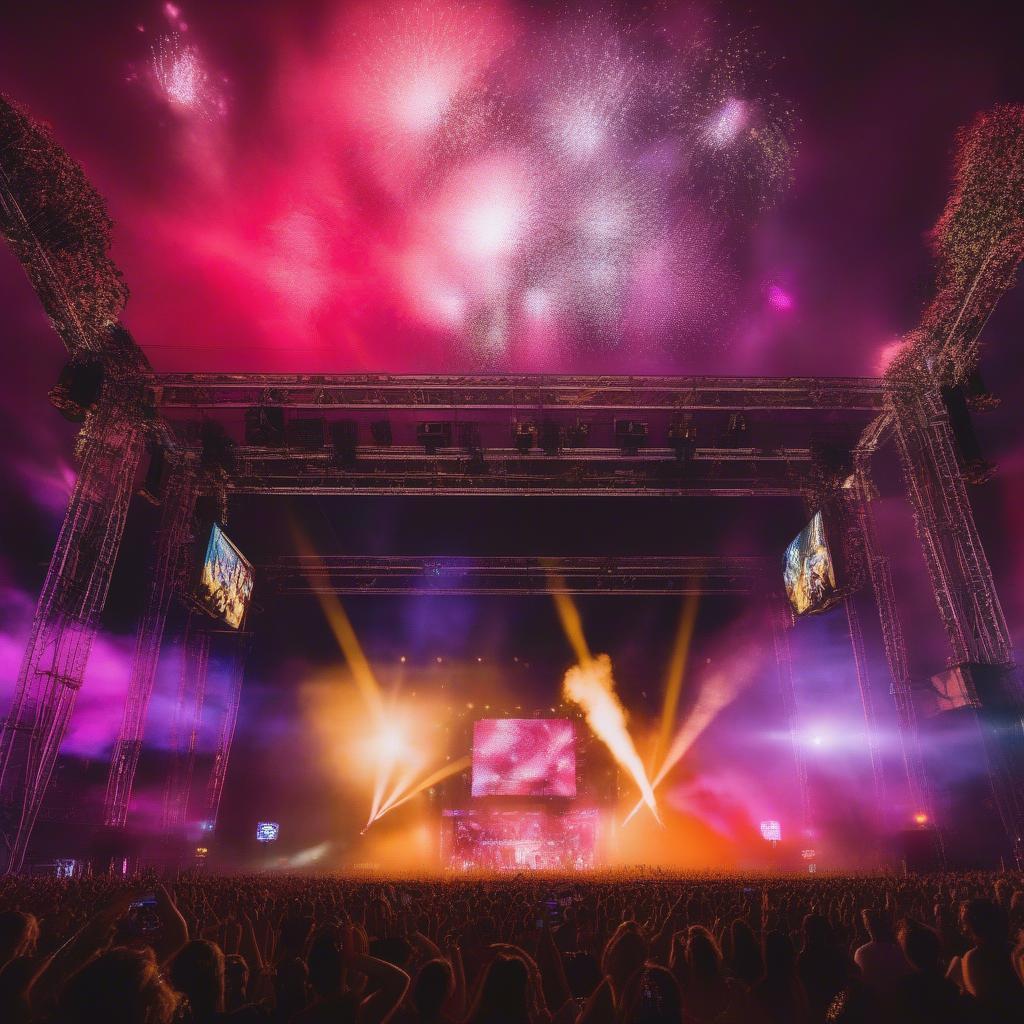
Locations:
(359, 666)
(431, 780)
(674, 676)
(344, 633)
(569, 615)
(716, 694)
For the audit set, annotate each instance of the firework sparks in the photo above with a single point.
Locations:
(183, 80)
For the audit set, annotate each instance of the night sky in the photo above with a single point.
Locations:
(279, 223)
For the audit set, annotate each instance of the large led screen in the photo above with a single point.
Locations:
(808, 571)
(524, 757)
(225, 582)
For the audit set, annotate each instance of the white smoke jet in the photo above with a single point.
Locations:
(592, 687)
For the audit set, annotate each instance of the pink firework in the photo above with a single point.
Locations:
(182, 79)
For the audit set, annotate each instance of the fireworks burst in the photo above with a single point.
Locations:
(183, 80)
(520, 186)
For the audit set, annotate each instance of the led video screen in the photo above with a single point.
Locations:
(225, 582)
(808, 572)
(524, 757)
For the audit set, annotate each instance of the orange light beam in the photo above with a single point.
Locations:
(674, 676)
(431, 780)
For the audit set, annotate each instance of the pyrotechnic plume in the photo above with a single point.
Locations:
(183, 80)
(592, 687)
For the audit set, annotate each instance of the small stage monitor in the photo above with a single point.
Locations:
(525, 757)
(267, 831)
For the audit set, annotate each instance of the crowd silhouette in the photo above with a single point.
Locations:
(629, 948)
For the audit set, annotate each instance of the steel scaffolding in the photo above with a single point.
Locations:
(781, 624)
(226, 732)
(68, 611)
(867, 703)
(877, 566)
(173, 540)
(435, 575)
(188, 714)
(965, 593)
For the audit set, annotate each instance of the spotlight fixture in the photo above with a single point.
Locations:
(434, 434)
(550, 439)
(682, 436)
(344, 437)
(631, 435)
(152, 489)
(380, 431)
(306, 432)
(524, 436)
(737, 431)
(577, 435)
(77, 389)
(264, 425)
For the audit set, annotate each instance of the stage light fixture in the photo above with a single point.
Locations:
(264, 425)
(737, 431)
(306, 432)
(380, 431)
(524, 436)
(152, 489)
(920, 818)
(434, 434)
(577, 435)
(550, 440)
(631, 435)
(682, 436)
(77, 389)
(345, 438)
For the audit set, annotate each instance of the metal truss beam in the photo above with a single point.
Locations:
(579, 472)
(188, 713)
(226, 733)
(357, 574)
(893, 641)
(67, 615)
(781, 623)
(172, 541)
(525, 392)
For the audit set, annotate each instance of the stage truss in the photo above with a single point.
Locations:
(461, 435)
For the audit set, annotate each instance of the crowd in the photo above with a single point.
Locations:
(636, 949)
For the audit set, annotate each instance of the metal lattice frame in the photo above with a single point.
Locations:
(226, 733)
(66, 617)
(964, 591)
(414, 574)
(781, 623)
(173, 540)
(960, 573)
(188, 713)
(860, 663)
(894, 644)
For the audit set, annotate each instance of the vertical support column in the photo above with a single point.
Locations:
(188, 714)
(781, 623)
(860, 663)
(894, 644)
(67, 615)
(965, 592)
(172, 541)
(960, 573)
(219, 770)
